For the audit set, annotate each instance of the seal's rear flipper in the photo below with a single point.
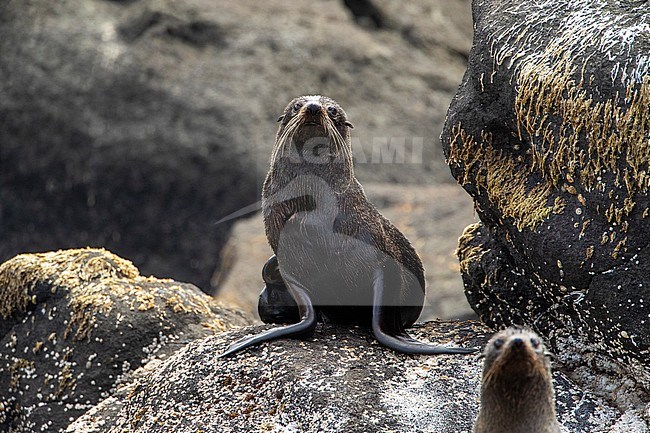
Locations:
(306, 325)
(388, 328)
(275, 303)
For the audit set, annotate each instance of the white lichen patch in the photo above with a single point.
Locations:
(321, 384)
(423, 400)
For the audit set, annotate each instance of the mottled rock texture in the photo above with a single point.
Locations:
(74, 324)
(135, 125)
(339, 381)
(550, 134)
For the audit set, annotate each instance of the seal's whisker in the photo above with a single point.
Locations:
(285, 138)
(343, 150)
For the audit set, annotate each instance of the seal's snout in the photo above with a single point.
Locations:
(517, 343)
(313, 108)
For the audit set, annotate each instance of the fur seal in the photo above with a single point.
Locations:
(517, 393)
(337, 259)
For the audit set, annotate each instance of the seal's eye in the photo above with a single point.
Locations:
(332, 111)
(297, 106)
(534, 342)
(498, 343)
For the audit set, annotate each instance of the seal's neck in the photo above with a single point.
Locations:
(333, 169)
(524, 406)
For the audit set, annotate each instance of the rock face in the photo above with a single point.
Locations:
(135, 125)
(74, 324)
(89, 345)
(339, 381)
(550, 134)
(407, 206)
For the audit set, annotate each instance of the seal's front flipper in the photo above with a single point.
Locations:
(271, 271)
(388, 328)
(305, 326)
(275, 303)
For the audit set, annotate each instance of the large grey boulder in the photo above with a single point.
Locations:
(339, 381)
(75, 324)
(550, 134)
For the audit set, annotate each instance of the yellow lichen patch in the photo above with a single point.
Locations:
(85, 303)
(505, 180)
(15, 286)
(215, 324)
(145, 300)
(466, 253)
(183, 300)
(95, 280)
(576, 137)
(16, 370)
(468, 256)
(68, 269)
(175, 303)
(37, 347)
(66, 381)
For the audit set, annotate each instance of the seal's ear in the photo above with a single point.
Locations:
(280, 118)
(349, 125)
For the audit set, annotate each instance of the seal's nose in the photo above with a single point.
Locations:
(313, 108)
(517, 343)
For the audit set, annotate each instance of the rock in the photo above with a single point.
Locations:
(549, 133)
(74, 324)
(355, 386)
(135, 125)
(408, 206)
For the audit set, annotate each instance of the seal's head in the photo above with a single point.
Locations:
(515, 354)
(517, 393)
(316, 121)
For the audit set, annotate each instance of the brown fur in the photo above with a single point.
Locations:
(356, 216)
(517, 389)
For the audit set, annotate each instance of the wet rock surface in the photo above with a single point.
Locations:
(135, 125)
(549, 133)
(339, 381)
(74, 324)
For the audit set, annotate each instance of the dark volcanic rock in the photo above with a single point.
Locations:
(550, 134)
(134, 125)
(73, 324)
(339, 381)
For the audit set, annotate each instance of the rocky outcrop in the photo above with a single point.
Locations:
(135, 125)
(339, 381)
(75, 324)
(89, 345)
(550, 134)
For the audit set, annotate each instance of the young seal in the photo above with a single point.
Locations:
(337, 258)
(517, 389)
